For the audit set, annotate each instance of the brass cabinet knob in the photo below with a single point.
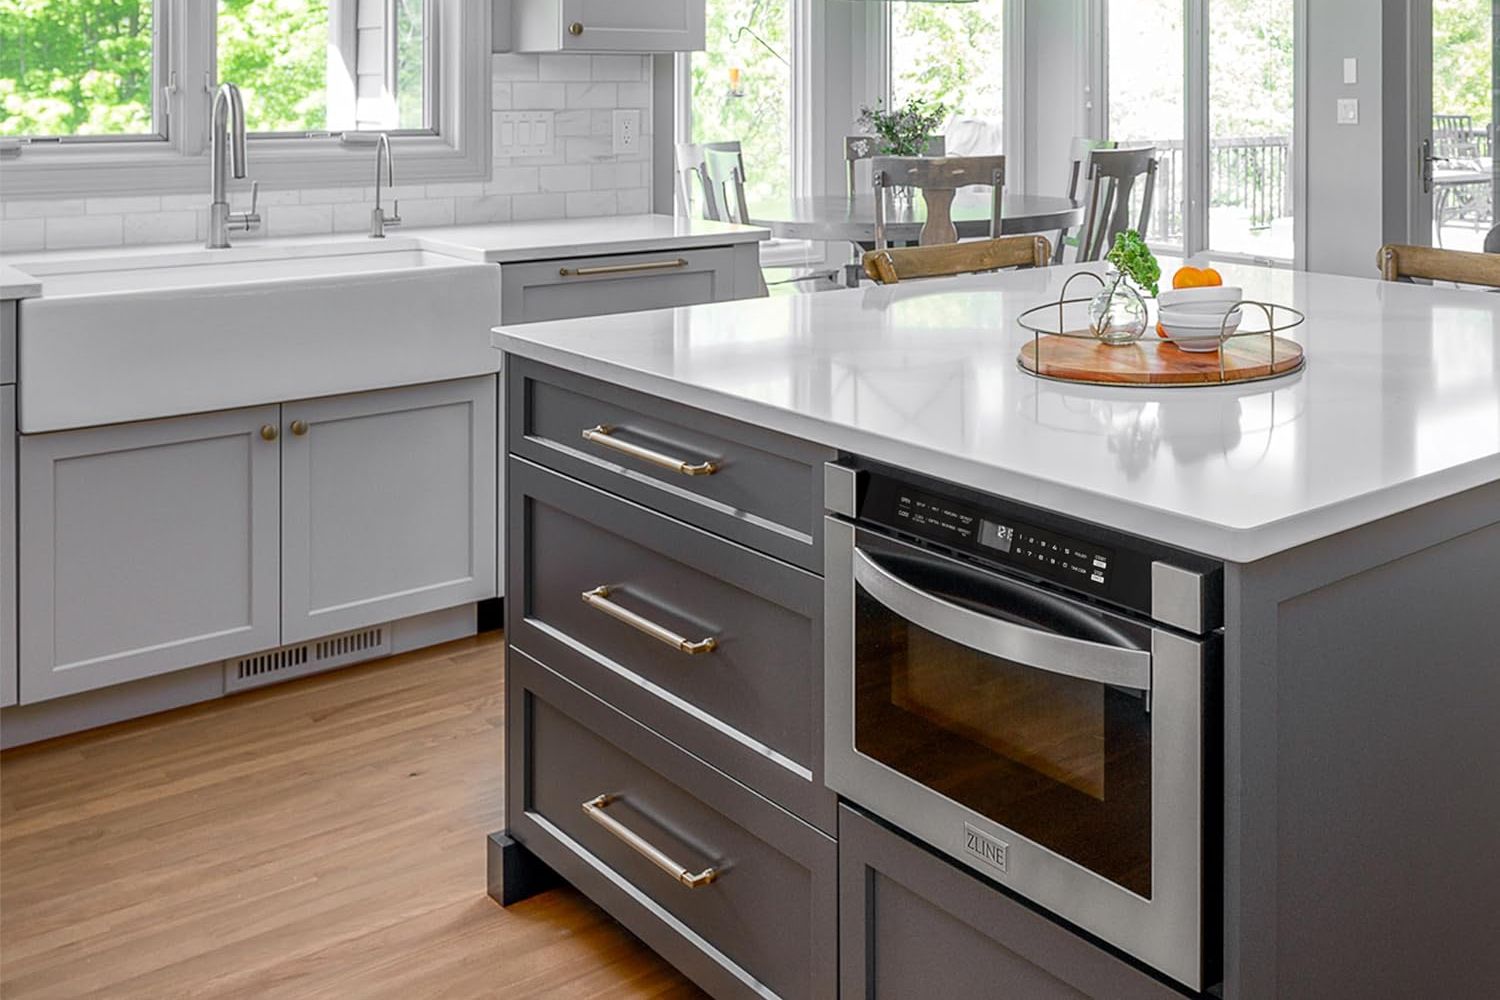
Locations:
(268, 432)
(576, 28)
(299, 427)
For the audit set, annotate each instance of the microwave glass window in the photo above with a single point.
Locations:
(1062, 761)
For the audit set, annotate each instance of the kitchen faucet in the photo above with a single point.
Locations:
(227, 139)
(378, 219)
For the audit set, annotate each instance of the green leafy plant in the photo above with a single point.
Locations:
(1136, 261)
(904, 131)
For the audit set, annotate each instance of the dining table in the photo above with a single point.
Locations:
(851, 217)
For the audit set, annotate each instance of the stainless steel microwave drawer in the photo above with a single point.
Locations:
(718, 647)
(913, 924)
(734, 891)
(596, 286)
(755, 486)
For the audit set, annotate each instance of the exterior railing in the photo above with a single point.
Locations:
(1252, 173)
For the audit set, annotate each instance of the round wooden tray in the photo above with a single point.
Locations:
(1150, 361)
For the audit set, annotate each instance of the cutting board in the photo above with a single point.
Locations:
(1157, 362)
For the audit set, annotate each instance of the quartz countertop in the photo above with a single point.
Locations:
(1399, 404)
(17, 284)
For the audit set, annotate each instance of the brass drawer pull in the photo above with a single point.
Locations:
(655, 265)
(602, 435)
(693, 880)
(599, 598)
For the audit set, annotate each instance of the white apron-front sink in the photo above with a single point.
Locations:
(139, 336)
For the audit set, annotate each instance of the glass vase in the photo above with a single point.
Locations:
(1117, 315)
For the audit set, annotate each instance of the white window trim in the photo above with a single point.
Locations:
(457, 150)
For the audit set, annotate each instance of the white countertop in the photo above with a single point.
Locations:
(500, 243)
(508, 242)
(1399, 404)
(17, 284)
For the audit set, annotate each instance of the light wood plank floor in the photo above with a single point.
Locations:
(323, 838)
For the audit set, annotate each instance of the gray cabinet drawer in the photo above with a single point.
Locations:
(764, 925)
(8, 313)
(914, 924)
(751, 705)
(8, 558)
(596, 286)
(766, 491)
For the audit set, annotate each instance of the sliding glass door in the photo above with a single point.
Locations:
(1456, 125)
(1212, 85)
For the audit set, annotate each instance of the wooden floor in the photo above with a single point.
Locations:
(324, 838)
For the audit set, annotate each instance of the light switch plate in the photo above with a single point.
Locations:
(1351, 70)
(524, 133)
(1348, 111)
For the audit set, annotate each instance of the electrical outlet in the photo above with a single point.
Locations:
(627, 132)
(1348, 111)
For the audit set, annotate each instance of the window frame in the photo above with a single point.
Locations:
(457, 148)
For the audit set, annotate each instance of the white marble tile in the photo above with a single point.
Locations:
(568, 178)
(297, 220)
(524, 207)
(540, 96)
(591, 95)
(514, 180)
(565, 66)
(40, 208)
(486, 208)
(513, 66)
(123, 206)
(591, 203)
(633, 95)
(427, 212)
(69, 231)
(22, 234)
(351, 216)
(161, 227)
(500, 95)
(635, 201)
(587, 149)
(466, 189)
(574, 123)
(333, 195)
(619, 68)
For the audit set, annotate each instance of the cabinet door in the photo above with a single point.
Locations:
(7, 545)
(146, 548)
(633, 25)
(388, 505)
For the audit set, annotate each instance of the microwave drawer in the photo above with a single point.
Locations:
(606, 589)
(914, 924)
(737, 893)
(755, 486)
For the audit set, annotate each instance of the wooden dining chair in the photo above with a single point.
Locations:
(1080, 157)
(896, 264)
(1110, 185)
(1398, 262)
(867, 147)
(938, 180)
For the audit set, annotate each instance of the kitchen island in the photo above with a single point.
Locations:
(673, 471)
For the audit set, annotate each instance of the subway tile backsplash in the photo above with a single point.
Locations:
(580, 178)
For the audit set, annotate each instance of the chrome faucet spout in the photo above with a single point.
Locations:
(227, 152)
(378, 219)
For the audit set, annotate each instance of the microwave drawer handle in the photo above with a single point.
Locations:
(652, 265)
(598, 598)
(603, 435)
(693, 880)
(1058, 654)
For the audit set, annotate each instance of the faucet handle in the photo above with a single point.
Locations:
(248, 221)
(394, 219)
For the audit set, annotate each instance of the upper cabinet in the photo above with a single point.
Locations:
(608, 25)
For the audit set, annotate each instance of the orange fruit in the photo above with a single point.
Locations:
(1196, 277)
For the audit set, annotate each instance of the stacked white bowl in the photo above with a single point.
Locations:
(1194, 318)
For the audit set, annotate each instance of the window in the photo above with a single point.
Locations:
(741, 90)
(953, 55)
(90, 73)
(80, 68)
(1227, 188)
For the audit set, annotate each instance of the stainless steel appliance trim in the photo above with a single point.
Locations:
(1177, 597)
(1164, 931)
(1058, 654)
(839, 494)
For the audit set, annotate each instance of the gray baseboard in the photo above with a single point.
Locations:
(23, 724)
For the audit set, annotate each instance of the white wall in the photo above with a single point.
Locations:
(581, 178)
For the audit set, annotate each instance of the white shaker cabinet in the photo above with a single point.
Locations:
(388, 505)
(608, 25)
(146, 548)
(7, 545)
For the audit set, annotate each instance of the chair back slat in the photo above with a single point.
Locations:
(939, 180)
(692, 182)
(1113, 175)
(866, 147)
(1399, 262)
(724, 173)
(896, 264)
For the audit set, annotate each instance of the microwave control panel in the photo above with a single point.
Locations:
(1076, 562)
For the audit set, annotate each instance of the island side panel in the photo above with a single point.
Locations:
(1362, 694)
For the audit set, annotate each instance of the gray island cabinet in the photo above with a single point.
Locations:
(664, 699)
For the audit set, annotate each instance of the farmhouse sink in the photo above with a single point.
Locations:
(138, 336)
